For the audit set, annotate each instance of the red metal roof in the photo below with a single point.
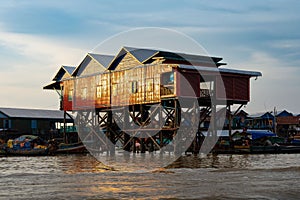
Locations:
(288, 120)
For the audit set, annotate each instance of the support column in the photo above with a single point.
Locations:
(111, 133)
(65, 132)
(230, 123)
(126, 127)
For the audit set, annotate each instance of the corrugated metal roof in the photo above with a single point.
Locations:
(52, 86)
(61, 72)
(144, 55)
(261, 115)
(33, 113)
(69, 69)
(222, 70)
(141, 54)
(288, 120)
(104, 60)
(193, 59)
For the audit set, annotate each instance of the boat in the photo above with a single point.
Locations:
(2, 152)
(64, 148)
(27, 145)
(275, 149)
(27, 152)
(256, 142)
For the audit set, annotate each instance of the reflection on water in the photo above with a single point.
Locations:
(209, 177)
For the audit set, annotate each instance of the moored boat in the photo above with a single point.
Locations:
(63, 148)
(27, 152)
(27, 145)
(257, 142)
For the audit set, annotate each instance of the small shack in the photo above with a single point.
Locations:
(44, 123)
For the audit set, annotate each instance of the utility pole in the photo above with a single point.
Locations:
(275, 121)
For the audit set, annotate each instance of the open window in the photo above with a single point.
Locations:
(206, 89)
(70, 95)
(167, 80)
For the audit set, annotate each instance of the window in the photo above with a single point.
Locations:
(84, 93)
(101, 90)
(206, 88)
(33, 124)
(134, 87)
(149, 83)
(98, 92)
(7, 123)
(114, 90)
(70, 95)
(168, 78)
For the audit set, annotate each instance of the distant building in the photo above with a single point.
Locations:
(284, 113)
(239, 120)
(261, 121)
(45, 123)
(287, 124)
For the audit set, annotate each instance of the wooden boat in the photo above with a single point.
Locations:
(261, 142)
(2, 152)
(63, 148)
(276, 149)
(27, 152)
(27, 145)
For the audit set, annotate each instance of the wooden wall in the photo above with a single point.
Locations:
(149, 84)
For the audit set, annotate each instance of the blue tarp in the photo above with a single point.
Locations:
(256, 134)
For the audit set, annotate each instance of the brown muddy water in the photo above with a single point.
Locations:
(206, 177)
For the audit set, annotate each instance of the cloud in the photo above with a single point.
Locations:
(277, 87)
(37, 60)
(36, 37)
(40, 48)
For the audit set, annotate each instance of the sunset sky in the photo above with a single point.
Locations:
(37, 37)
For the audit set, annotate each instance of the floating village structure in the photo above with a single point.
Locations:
(148, 95)
(44, 123)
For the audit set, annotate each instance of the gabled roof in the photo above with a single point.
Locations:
(265, 115)
(62, 71)
(141, 55)
(241, 113)
(33, 113)
(284, 113)
(102, 60)
(145, 56)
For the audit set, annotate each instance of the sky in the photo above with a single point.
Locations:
(38, 37)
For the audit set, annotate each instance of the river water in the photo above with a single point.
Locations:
(206, 177)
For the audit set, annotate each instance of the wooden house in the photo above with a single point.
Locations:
(261, 121)
(138, 78)
(142, 76)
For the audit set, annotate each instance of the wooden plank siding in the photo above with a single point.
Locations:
(149, 84)
(130, 82)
